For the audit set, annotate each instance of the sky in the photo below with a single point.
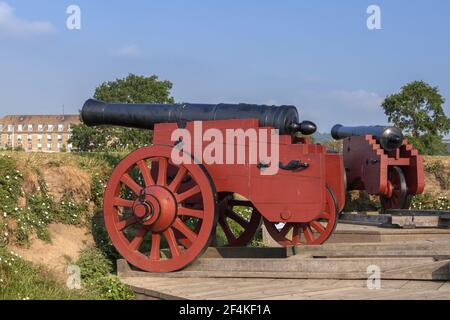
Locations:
(318, 55)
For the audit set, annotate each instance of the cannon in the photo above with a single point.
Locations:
(145, 116)
(379, 160)
(162, 213)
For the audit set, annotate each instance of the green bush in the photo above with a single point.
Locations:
(96, 270)
(427, 201)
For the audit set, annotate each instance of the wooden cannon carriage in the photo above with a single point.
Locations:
(162, 213)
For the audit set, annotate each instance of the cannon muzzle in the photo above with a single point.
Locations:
(145, 116)
(390, 138)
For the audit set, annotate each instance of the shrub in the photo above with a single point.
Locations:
(95, 270)
(427, 201)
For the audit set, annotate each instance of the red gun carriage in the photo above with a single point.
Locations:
(161, 215)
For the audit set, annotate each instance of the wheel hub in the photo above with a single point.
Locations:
(155, 208)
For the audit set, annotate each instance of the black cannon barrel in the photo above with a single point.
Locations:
(390, 138)
(145, 116)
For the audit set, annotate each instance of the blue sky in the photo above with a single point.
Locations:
(317, 55)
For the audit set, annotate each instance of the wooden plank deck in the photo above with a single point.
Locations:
(414, 264)
(283, 289)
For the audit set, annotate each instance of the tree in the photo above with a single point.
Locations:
(132, 89)
(418, 110)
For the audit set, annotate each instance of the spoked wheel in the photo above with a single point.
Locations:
(239, 221)
(311, 233)
(398, 197)
(148, 218)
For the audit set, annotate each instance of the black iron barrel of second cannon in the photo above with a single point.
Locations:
(145, 116)
(390, 138)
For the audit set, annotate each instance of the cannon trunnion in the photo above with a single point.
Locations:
(215, 173)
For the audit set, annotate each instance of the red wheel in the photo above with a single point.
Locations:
(312, 233)
(239, 221)
(145, 212)
(398, 197)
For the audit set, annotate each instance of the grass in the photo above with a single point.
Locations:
(20, 280)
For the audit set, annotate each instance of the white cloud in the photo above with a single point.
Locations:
(130, 51)
(12, 26)
(358, 99)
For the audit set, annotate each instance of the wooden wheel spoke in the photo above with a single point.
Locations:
(236, 217)
(182, 211)
(226, 229)
(130, 183)
(145, 171)
(296, 235)
(186, 195)
(137, 241)
(172, 241)
(188, 233)
(308, 234)
(162, 171)
(284, 231)
(119, 202)
(156, 247)
(176, 182)
(123, 224)
(318, 226)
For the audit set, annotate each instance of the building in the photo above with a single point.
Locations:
(37, 133)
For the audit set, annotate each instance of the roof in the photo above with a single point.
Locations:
(40, 119)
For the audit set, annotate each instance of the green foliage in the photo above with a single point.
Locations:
(20, 280)
(38, 211)
(418, 110)
(427, 201)
(10, 190)
(96, 275)
(70, 212)
(132, 89)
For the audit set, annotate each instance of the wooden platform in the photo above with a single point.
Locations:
(413, 264)
(151, 288)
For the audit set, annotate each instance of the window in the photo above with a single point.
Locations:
(30, 128)
(49, 146)
(59, 146)
(30, 137)
(10, 128)
(19, 137)
(59, 137)
(9, 137)
(60, 127)
(49, 137)
(30, 146)
(1, 127)
(50, 128)
(20, 127)
(40, 138)
(40, 127)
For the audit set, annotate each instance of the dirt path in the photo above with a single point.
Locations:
(67, 243)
